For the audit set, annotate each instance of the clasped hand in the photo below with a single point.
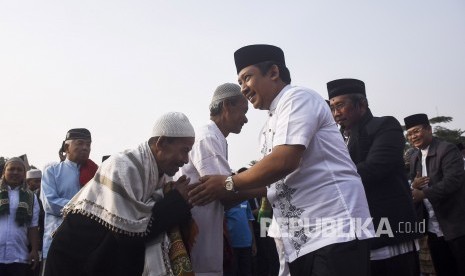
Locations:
(419, 182)
(209, 188)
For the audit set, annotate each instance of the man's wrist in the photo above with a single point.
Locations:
(229, 184)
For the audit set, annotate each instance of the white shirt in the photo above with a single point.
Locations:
(13, 238)
(324, 195)
(208, 156)
(433, 224)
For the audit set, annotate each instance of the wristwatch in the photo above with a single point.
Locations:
(229, 184)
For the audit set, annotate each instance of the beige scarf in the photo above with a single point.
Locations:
(122, 193)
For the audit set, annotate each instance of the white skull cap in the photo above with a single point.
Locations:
(173, 124)
(33, 173)
(226, 90)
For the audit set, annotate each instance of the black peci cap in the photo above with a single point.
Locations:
(415, 120)
(253, 54)
(345, 86)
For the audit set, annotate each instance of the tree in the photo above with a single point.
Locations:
(451, 135)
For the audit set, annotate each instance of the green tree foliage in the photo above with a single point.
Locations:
(451, 135)
(440, 119)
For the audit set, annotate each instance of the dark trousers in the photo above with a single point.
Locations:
(82, 246)
(267, 257)
(406, 264)
(448, 256)
(34, 272)
(14, 269)
(242, 262)
(348, 258)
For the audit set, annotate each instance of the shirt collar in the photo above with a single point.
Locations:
(425, 151)
(217, 129)
(13, 189)
(71, 163)
(275, 101)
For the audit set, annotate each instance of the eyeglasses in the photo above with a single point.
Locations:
(338, 106)
(414, 131)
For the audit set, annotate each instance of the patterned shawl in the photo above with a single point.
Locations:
(122, 193)
(25, 205)
(121, 196)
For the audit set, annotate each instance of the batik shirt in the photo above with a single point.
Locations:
(323, 201)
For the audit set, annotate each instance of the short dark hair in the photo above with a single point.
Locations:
(284, 73)
(357, 98)
(217, 108)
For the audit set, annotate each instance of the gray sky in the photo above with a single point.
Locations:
(115, 66)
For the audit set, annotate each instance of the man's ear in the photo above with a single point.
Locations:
(364, 105)
(227, 104)
(274, 72)
(161, 142)
(65, 147)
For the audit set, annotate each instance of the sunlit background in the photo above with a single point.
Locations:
(115, 66)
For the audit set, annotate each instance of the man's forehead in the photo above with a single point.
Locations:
(247, 69)
(414, 128)
(338, 98)
(15, 164)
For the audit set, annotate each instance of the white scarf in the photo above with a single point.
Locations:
(121, 197)
(122, 193)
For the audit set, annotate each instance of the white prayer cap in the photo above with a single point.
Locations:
(33, 173)
(173, 124)
(226, 90)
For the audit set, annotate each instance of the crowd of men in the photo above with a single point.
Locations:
(332, 183)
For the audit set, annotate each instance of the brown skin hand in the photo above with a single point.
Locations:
(282, 161)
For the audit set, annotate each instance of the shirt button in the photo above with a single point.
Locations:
(269, 130)
(269, 150)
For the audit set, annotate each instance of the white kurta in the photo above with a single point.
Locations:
(209, 155)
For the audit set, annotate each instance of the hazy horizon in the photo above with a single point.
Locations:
(115, 66)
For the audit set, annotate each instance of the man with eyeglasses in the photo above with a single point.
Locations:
(376, 147)
(438, 181)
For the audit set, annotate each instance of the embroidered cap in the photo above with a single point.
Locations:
(33, 173)
(415, 120)
(173, 124)
(224, 91)
(345, 86)
(78, 133)
(74, 134)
